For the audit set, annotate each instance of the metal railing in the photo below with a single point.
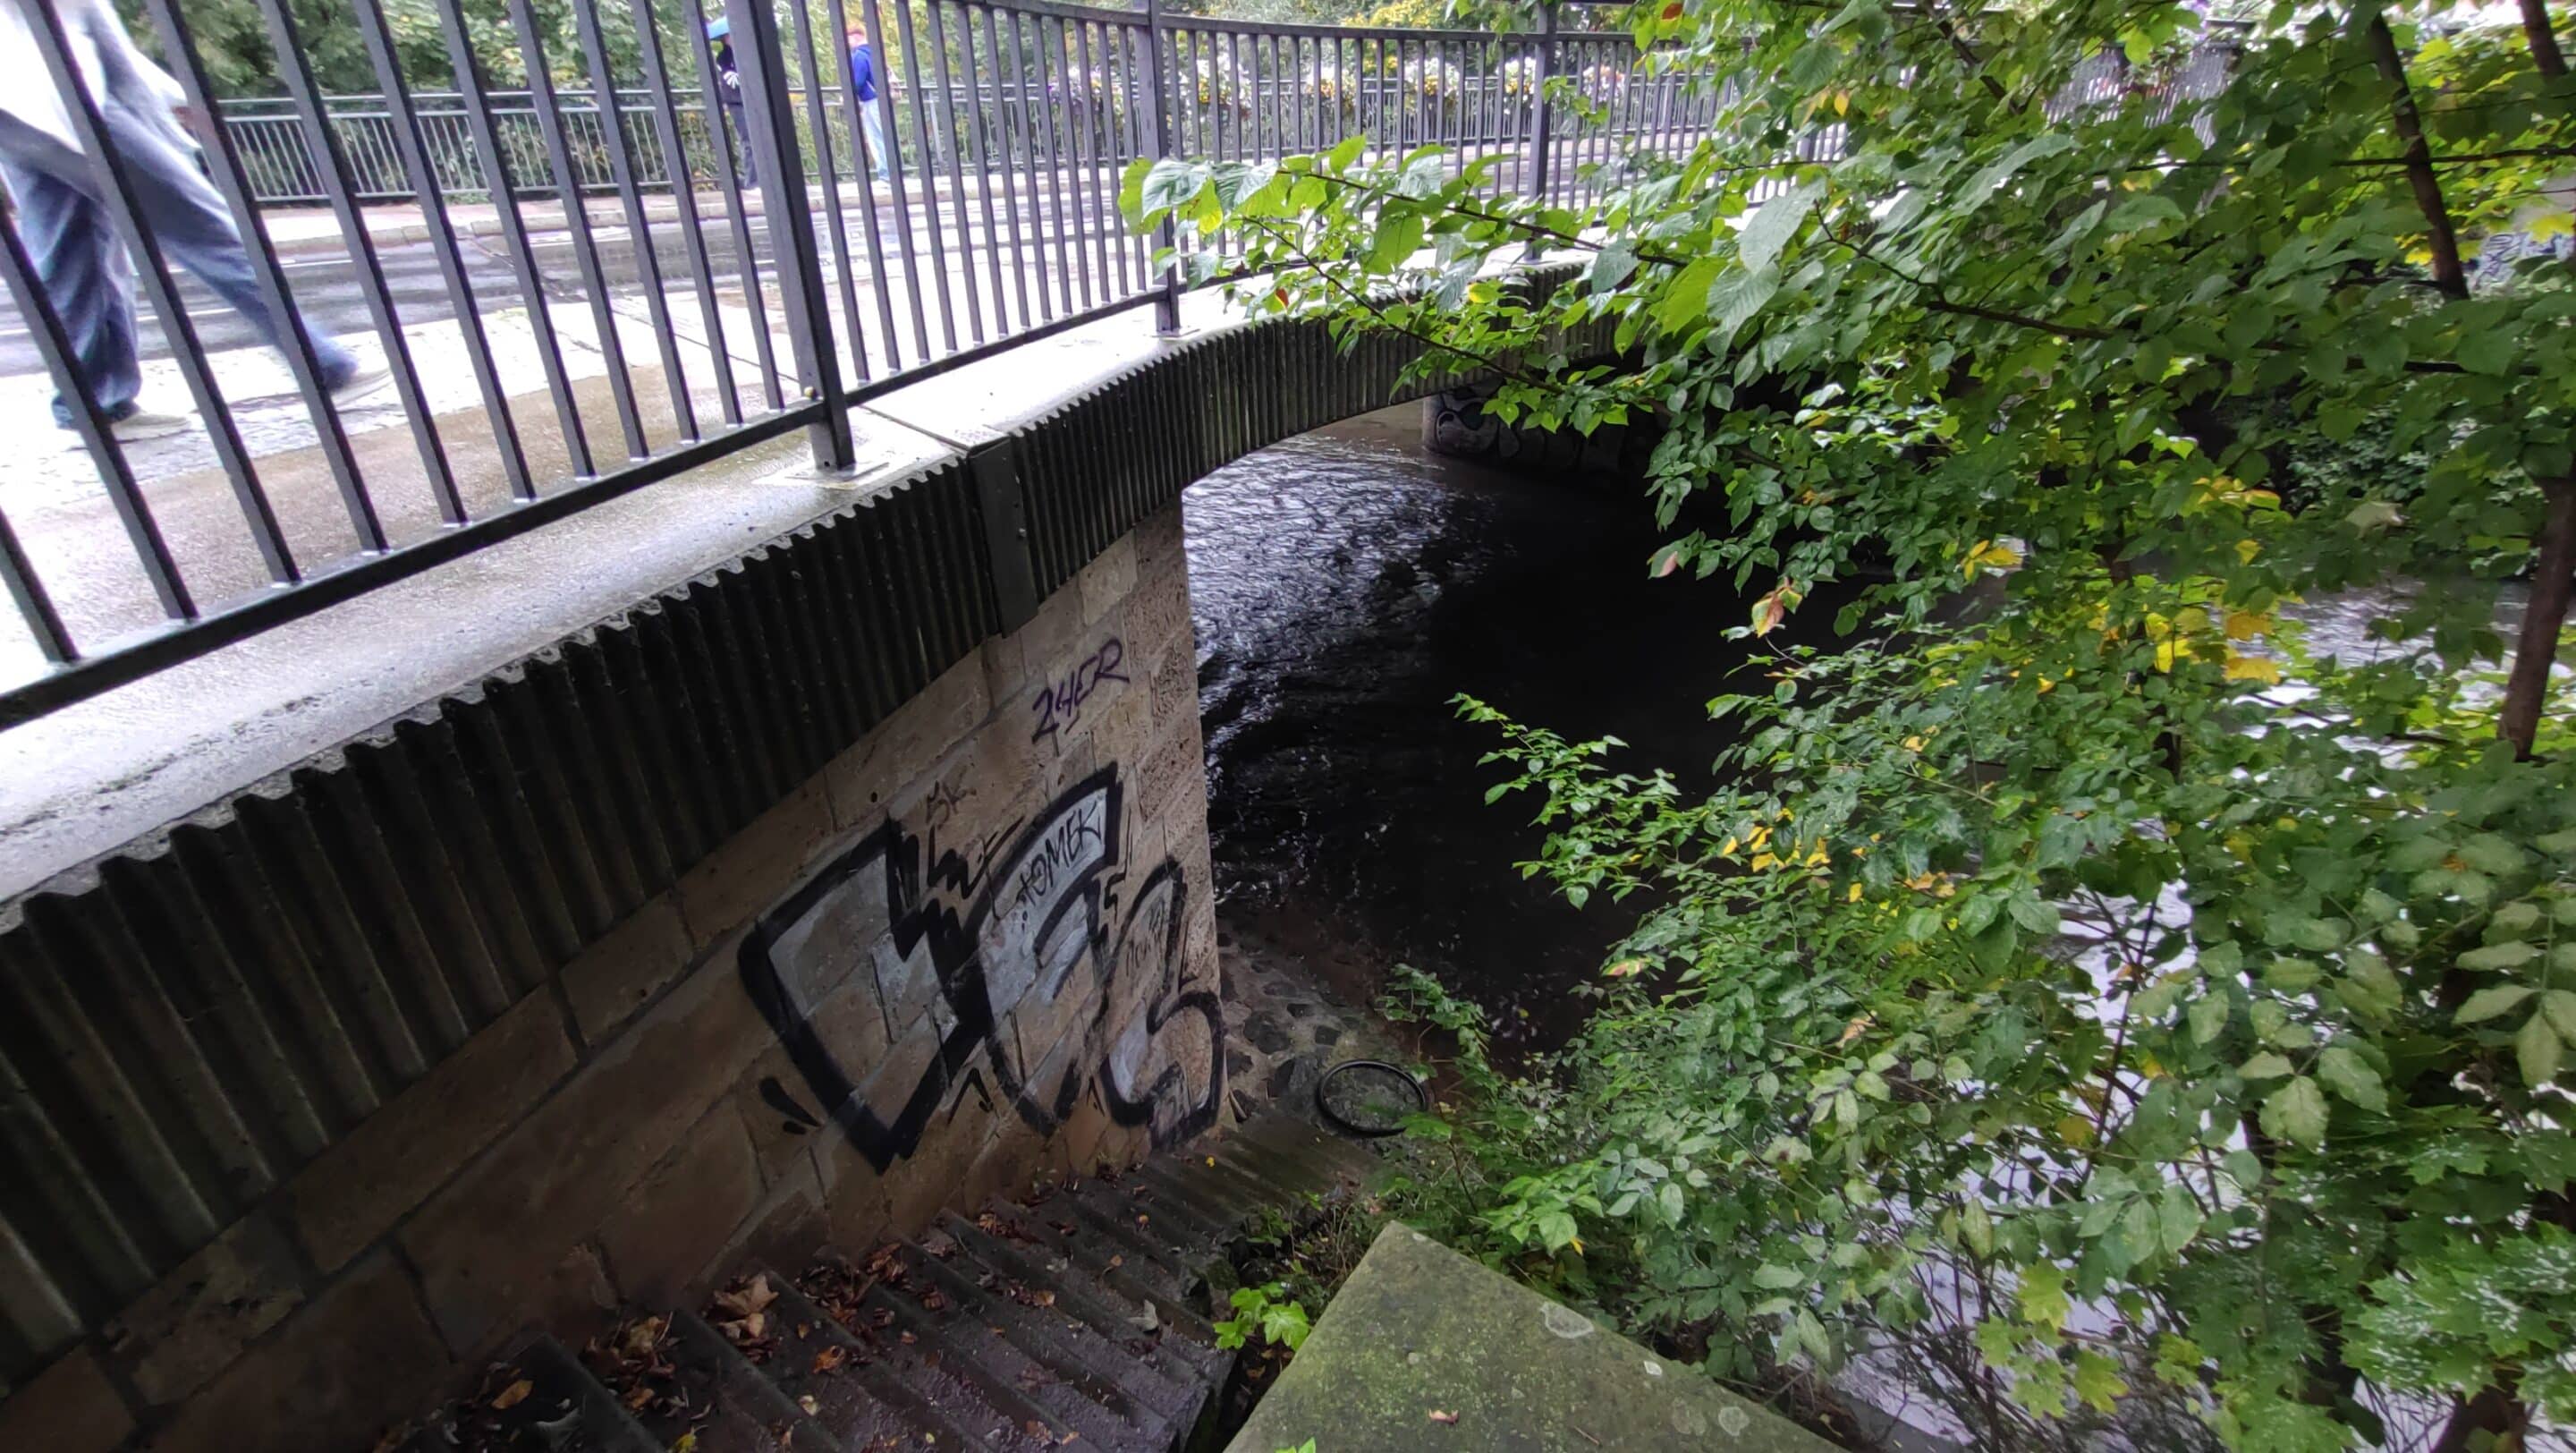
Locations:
(577, 300)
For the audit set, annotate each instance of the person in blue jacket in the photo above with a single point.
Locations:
(729, 91)
(863, 86)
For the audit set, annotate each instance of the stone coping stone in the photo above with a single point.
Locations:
(1419, 1329)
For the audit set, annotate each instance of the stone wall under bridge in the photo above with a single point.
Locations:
(976, 947)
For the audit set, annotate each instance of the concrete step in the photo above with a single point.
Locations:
(561, 1406)
(1002, 1351)
(1077, 1317)
(862, 1403)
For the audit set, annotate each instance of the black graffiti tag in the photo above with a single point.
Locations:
(1057, 705)
(1035, 915)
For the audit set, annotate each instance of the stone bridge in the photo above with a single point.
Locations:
(750, 862)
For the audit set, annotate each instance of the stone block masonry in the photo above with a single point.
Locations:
(967, 937)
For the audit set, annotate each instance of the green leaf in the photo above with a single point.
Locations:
(1399, 236)
(2034, 913)
(2489, 1002)
(2558, 1006)
(1340, 157)
(2537, 1049)
(1685, 299)
(2296, 1112)
(1669, 1198)
(2497, 956)
(1740, 294)
(2350, 1076)
(2266, 1066)
(2041, 1298)
(1771, 226)
(2208, 1016)
(2097, 1380)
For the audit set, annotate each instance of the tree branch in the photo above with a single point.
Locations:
(2440, 236)
(2544, 617)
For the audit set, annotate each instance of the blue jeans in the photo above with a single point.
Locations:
(85, 272)
(873, 120)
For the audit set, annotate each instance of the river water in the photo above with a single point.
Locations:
(1345, 585)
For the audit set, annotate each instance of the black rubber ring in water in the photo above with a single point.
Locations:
(1421, 1097)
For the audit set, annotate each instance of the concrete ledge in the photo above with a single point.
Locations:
(1423, 1349)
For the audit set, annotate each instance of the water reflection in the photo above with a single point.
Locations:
(1345, 585)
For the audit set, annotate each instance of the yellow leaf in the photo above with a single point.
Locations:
(2164, 655)
(513, 1395)
(1854, 895)
(1625, 968)
(1842, 103)
(1914, 744)
(2246, 550)
(2254, 668)
(2245, 625)
(1985, 554)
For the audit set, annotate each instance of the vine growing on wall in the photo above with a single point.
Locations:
(2121, 988)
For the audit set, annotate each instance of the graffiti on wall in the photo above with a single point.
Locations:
(1044, 917)
(1058, 703)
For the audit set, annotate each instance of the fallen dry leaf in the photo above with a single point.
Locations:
(932, 1298)
(830, 1357)
(747, 1299)
(513, 1395)
(811, 1407)
(1438, 1416)
(687, 1443)
(1116, 1262)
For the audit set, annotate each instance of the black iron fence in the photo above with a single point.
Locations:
(596, 296)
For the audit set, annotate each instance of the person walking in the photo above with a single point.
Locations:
(729, 90)
(863, 88)
(59, 193)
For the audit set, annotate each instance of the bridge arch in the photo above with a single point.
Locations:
(324, 1025)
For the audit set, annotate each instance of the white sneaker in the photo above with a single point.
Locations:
(143, 424)
(367, 380)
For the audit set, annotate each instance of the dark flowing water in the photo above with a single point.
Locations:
(1346, 585)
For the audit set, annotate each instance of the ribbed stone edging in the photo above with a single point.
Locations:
(188, 1021)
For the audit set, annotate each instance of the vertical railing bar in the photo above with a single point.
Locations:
(514, 230)
(769, 115)
(1157, 142)
(1038, 203)
(585, 249)
(818, 114)
(35, 606)
(1002, 112)
(297, 72)
(1247, 96)
(1119, 109)
(682, 176)
(956, 172)
(1095, 136)
(979, 136)
(96, 431)
(1070, 163)
(737, 210)
(890, 122)
(257, 511)
(639, 227)
(929, 178)
(1044, 98)
(125, 213)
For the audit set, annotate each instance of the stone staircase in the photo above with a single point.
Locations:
(1074, 1319)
